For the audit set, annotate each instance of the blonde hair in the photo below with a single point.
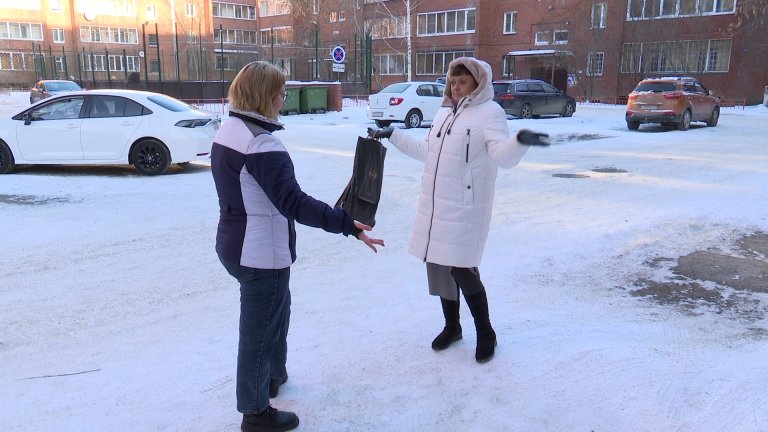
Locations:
(255, 87)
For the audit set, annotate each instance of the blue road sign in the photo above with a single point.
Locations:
(338, 54)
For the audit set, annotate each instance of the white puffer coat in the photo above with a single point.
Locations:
(462, 153)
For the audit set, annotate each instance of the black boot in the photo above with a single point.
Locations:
(486, 337)
(452, 331)
(274, 385)
(271, 420)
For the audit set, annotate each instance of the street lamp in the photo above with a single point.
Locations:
(317, 50)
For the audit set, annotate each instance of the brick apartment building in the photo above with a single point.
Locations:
(594, 49)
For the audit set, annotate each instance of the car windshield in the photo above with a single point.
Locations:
(170, 103)
(395, 88)
(62, 86)
(655, 87)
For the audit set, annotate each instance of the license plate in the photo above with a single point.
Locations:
(377, 114)
(648, 107)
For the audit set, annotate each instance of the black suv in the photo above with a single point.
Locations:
(532, 98)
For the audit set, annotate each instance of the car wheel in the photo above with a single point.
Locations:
(526, 112)
(714, 117)
(568, 110)
(150, 157)
(685, 121)
(633, 125)
(413, 119)
(382, 123)
(7, 163)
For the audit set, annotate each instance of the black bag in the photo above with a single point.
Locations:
(361, 196)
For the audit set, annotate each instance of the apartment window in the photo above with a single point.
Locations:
(390, 64)
(58, 35)
(650, 9)
(190, 10)
(273, 7)
(719, 55)
(342, 16)
(54, 5)
(439, 23)
(595, 63)
(316, 6)
(560, 37)
(510, 19)
(232, 36)
(16, 61)
(116, 35)
(386, 27)
(154, 66)
(677, 56)
(133, 63)
(333, 16)
(229, 10)
(436, 63)
(152, 40)
(120, 63)
(115, 63)
(281, 35)
(226, 62)
(508, 66)
(111, 7)
(542, 38)
(599, 11)
(59, 62)
(93, 62)
(21, 31)
(151, 12)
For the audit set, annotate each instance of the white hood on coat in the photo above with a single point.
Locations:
(481, 72)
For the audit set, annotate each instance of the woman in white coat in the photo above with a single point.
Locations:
(467, 143)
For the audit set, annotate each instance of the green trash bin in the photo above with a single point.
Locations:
(314, 99)
(291, 104)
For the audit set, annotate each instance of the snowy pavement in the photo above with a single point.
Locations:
(116, 314)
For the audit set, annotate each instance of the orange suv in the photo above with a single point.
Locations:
(674, 101)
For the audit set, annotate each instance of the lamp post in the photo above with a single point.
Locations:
(317, 50)
(175, 40)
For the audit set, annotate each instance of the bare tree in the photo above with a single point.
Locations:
(402, 13)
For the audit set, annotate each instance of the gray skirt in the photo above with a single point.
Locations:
(442, 283)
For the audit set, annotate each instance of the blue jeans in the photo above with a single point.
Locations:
(265, 313)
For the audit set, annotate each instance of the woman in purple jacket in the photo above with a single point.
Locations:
(260, 200)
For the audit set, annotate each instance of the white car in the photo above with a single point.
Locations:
(101, 127)
(410, 102)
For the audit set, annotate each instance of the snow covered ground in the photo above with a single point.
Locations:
(116, 315)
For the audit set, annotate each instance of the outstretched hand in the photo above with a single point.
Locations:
(380, 133)
(529, 137)
(363, 237)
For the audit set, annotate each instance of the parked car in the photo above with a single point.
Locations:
(100, 127)
(47, 88)
(440, 80)
(528, 98)
(673, 101)
(410, 102)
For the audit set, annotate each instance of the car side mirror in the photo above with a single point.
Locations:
(710, 92)
(27, 119)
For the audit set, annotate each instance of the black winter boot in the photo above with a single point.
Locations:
(274, 385)
(452, 331)
(271, 420)
(486, 337)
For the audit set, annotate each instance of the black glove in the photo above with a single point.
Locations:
(380, 133)
(528, 137)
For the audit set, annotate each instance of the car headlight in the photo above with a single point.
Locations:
(193, 123)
